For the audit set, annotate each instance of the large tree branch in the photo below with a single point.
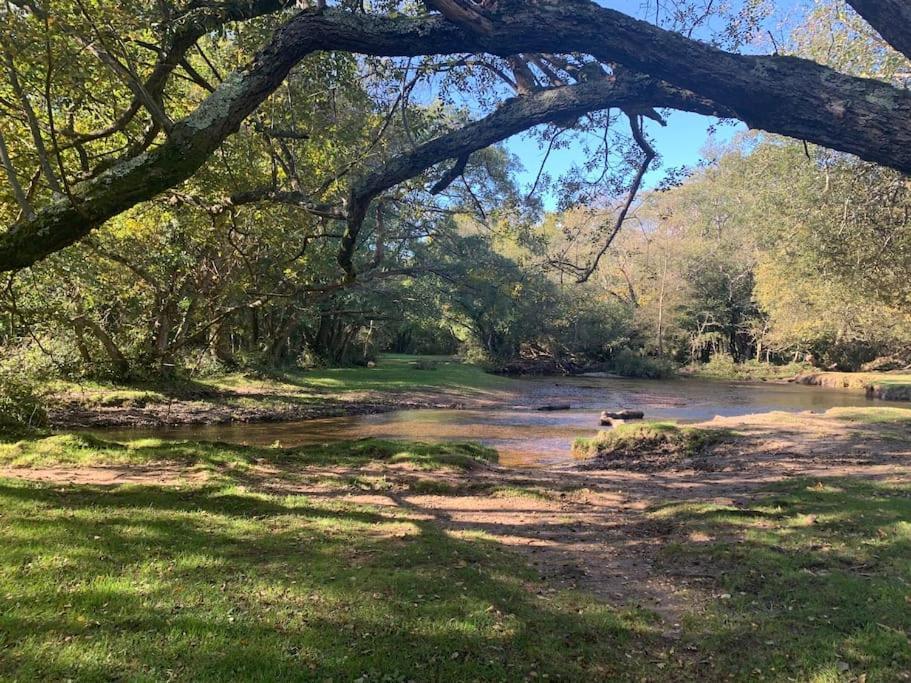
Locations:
(512, 117)
(890, 18)
(785, 95)
(183, 33)
(194, 138)
(288, 197)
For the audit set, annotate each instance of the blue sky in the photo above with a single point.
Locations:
(686, 136)
(680, 143)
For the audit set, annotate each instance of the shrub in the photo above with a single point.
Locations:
(630, 364)
(721, 365)
(21, 404)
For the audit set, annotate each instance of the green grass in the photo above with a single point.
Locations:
(87, 450)
(813, 582)
(218, 583)
(626, 440)
(877, 415)
(400, 373)
(396, 375)
(892, 386)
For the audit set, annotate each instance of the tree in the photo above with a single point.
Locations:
(568, 60)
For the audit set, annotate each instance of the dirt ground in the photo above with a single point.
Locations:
(586, 528)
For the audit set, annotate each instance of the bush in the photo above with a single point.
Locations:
(21, 404)
(721, 365)
(630, 364)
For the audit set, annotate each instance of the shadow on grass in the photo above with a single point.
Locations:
(219, 584)
(812, 582)
(42, 450)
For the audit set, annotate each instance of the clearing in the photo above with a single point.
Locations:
(781, 552)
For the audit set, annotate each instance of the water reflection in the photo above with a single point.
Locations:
(523, 435)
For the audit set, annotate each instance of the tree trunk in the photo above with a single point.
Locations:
(119, 362)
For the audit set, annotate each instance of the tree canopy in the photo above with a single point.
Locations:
(108, 105)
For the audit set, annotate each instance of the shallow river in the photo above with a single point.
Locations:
(524, 435)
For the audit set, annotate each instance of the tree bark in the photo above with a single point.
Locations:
(119, 362)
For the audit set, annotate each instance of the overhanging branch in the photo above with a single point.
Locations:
(514, 116)
(784, 95)
(890, 18)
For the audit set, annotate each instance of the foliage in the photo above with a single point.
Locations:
(722, 366)
(20, 404)
(628, 363)
(761, 253)
(22, 393)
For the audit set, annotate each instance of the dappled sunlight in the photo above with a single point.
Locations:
(345, 551)
(829, 563)
(213, 580)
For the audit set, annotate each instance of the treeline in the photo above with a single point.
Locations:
(772, 253)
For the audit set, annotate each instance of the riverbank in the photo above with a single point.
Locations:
(783, 556)
(888, 386)
(395, 383)
(724, 368)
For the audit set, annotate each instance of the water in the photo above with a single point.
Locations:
(528, 437)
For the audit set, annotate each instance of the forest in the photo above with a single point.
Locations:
(308, 304)
(735, 260)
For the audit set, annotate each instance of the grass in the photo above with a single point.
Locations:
(216, 581)
(890, 386)
(276, 391)
(219, 583)
(860, 380)
(86, 450)
(400, 373)
(877, 415)
(630, 439)
(813, 582)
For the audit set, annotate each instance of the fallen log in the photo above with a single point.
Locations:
(622, 415)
